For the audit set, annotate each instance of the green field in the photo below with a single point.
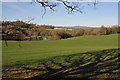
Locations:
(35, 55)
(70, 31)
(32, 51)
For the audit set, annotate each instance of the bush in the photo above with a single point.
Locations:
(79, 32)
(59, 34)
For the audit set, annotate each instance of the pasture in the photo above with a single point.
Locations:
(34, 54)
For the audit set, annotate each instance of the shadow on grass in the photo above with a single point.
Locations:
(84, 66)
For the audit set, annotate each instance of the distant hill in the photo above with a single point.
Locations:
(83, 27)
(80, 27)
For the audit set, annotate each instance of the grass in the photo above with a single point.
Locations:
(84, 57)
(90, 65)
(32, 51)
(70, 31)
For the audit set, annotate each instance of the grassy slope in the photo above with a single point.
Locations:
(32, 51)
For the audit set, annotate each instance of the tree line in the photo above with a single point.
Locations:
(19, 31)
(98, 31)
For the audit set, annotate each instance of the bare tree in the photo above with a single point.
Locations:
(11, 33)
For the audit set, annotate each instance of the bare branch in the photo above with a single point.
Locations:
(44, 12)
(71, 6)
(47, 4)
(30, 19)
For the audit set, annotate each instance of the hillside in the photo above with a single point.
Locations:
(41, 59)
(35, 50)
